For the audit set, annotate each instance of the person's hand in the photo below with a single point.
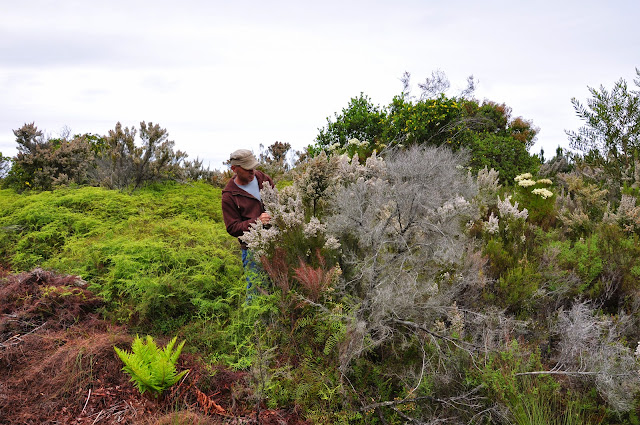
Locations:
(265, 218)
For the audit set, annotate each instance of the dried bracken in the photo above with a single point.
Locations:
(67, 372)
(313, 280)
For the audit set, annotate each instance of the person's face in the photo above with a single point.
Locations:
(244, 176)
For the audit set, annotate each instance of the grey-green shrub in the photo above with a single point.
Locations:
(402, 238)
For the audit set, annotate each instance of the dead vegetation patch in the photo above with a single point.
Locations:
(58, 366)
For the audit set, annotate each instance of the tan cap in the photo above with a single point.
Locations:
(244, 158)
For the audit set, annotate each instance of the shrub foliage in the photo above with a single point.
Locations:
(401, 281)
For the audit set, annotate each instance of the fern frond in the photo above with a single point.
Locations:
(304, 322)
(169, 348)
(151, 369)
(331, 343)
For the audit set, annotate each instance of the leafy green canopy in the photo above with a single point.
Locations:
(487, 130)
(610, 136)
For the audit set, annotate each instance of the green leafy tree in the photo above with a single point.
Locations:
(432, 122)
(495, 118)
(122, 163)
(610, 136)
(487, 129)
(152, 368)
(42, 163)
(361, 120)
(504, 154)
(273, 159)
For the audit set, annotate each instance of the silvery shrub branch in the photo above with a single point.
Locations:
(590, 347)
(401, 229)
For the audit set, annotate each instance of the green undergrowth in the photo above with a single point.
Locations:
(160, 257)
(162, 261)
(509, 377)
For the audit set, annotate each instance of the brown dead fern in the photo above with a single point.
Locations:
(313, 281)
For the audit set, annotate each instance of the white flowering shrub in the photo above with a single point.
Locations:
(353, 148)
(542, 192)
(289, 239)
(492, 225)
(627, 215)
(315, 182)
(510, 211)
(537, 197)
(377, 267)
(510, 224)
(521, 177)
(488, 182)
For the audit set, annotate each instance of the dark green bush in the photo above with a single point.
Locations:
(517, 287)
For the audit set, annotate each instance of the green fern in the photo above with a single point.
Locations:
(151, 368)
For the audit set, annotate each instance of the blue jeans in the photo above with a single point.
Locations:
(251, 273)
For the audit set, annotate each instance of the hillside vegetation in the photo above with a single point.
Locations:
(411, 277)
(159, 253)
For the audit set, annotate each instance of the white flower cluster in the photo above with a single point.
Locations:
(526, 180)
(542, 192)
(313, 227)
(506, 209)
(488, 180)
(269, 196)
(286, 211)
(357, 143)
(285, 208)
(453, 208)
(525, 176)
(335, 148)
(332, 243)
(259, 238)
(526, 183)
(492, 225)
(351, 171)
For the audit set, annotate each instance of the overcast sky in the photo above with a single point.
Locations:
(222, 75)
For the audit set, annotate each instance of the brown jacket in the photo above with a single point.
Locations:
(239, 208)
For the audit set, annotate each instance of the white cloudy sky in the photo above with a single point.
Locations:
(220, 75)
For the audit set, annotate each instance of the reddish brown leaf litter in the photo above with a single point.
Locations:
(58, 366)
